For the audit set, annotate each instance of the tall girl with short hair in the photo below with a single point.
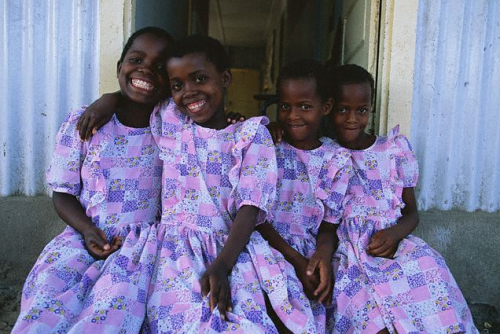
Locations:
(95, 275)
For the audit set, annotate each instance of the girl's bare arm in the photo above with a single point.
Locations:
(385, 242)
(215, 279)
(97, 114)
(309, 280)
(72, 213)
(326, 244)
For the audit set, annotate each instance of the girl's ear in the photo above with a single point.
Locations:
(118, 68)
(227, 78)
(327, 106)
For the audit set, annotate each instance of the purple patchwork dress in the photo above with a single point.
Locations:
(412, 293)
(117, 178)
(207, 176)
(311, 189)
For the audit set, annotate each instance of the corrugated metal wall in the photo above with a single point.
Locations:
(456, 104)
(49, 61)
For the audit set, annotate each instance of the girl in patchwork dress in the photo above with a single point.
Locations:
(94, 276)
(388, 281)
(214, 173)
(214, 272)
(313, 173)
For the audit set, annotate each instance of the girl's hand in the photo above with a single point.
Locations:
(276, 132)
(322, 263)
(234, 117)
(96, 115)
(97, 245)
(384, 243)
(215, 281)
(310, 280)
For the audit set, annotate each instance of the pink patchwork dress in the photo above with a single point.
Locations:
(412, 293)
(116, 176)
(207, 176)
(311, 189)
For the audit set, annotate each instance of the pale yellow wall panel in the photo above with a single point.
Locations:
(240, 95)
(116, 24)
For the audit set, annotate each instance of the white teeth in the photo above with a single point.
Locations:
(142, 84)
(196, 105)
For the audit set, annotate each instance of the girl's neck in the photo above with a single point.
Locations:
(362, 143)
(217, 122)
(132, 114)
(305, 146)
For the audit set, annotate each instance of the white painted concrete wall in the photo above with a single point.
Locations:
(456, 97)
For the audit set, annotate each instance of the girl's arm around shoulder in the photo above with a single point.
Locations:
(97, 114)
(276, 131)
(215, 279)
(384, 243)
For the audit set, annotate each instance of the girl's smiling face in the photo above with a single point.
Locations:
(141, 74)
(198, 89)
(351, 113)
(301, 111)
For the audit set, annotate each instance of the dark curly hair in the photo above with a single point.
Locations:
(306, 69)
(349, 74)
(210, 47)
(155, 31)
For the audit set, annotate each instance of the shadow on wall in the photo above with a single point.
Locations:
(28, 224)
(468, 241)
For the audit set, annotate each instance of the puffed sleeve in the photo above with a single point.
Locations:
(63, 174)
(333, 182)
(254, 174)
(406, 161)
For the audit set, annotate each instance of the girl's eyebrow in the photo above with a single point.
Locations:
(196, 72)
(301, 101)
(190, 74)
(136, 51)
(340, 103)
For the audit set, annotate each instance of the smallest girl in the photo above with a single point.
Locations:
(313, 174)
(388, 281)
